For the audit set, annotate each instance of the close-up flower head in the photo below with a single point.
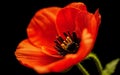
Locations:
(59, 38)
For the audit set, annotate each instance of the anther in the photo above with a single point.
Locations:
(63, 46)
(65, 42)
(69, 40)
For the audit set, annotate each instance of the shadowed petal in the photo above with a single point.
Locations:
(41, 29)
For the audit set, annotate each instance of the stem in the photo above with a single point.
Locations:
(82, 69)
(97, 62)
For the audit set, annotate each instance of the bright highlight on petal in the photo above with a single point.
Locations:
(87, 39)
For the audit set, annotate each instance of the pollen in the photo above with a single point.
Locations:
(69, 45)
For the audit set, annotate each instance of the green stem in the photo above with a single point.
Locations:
(97, 62)
(82, 69)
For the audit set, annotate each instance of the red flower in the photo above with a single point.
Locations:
(59, 38)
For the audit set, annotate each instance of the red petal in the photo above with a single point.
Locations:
(98, 17)
(65, 20)
(41, 30)
(58, 66)
(89, 21)
(32, 56)
(98, 20)
(81, 22)
(78, 5)
(91, 25)
(94, 22)
(86, 44)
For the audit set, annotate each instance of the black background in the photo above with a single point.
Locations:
(17, 14)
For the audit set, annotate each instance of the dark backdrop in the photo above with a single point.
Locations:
(17, 14)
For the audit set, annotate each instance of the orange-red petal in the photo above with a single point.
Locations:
(98, 17)
(98, 20)
(58, 66)
(89, 21)
(31, 56)
(41, 29)
(86, 44)
(65, 20)
(81, 22)
(93, 24)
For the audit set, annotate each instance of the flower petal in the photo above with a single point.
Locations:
(81, 22)
(89, 21)
(58, 66)
(31, 56)
(78, 5)
(86, 45)
(65, 20)
(94, 22)
(41, 29)
(98, 20)
(98, 17)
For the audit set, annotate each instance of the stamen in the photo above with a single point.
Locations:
(57, 42)
(68, 39)
(74, 36)
(69, 35)
(60, 50)
(69, 45)
(65, 34)
(60, 39)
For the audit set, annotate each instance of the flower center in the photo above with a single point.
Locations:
(69, 45)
